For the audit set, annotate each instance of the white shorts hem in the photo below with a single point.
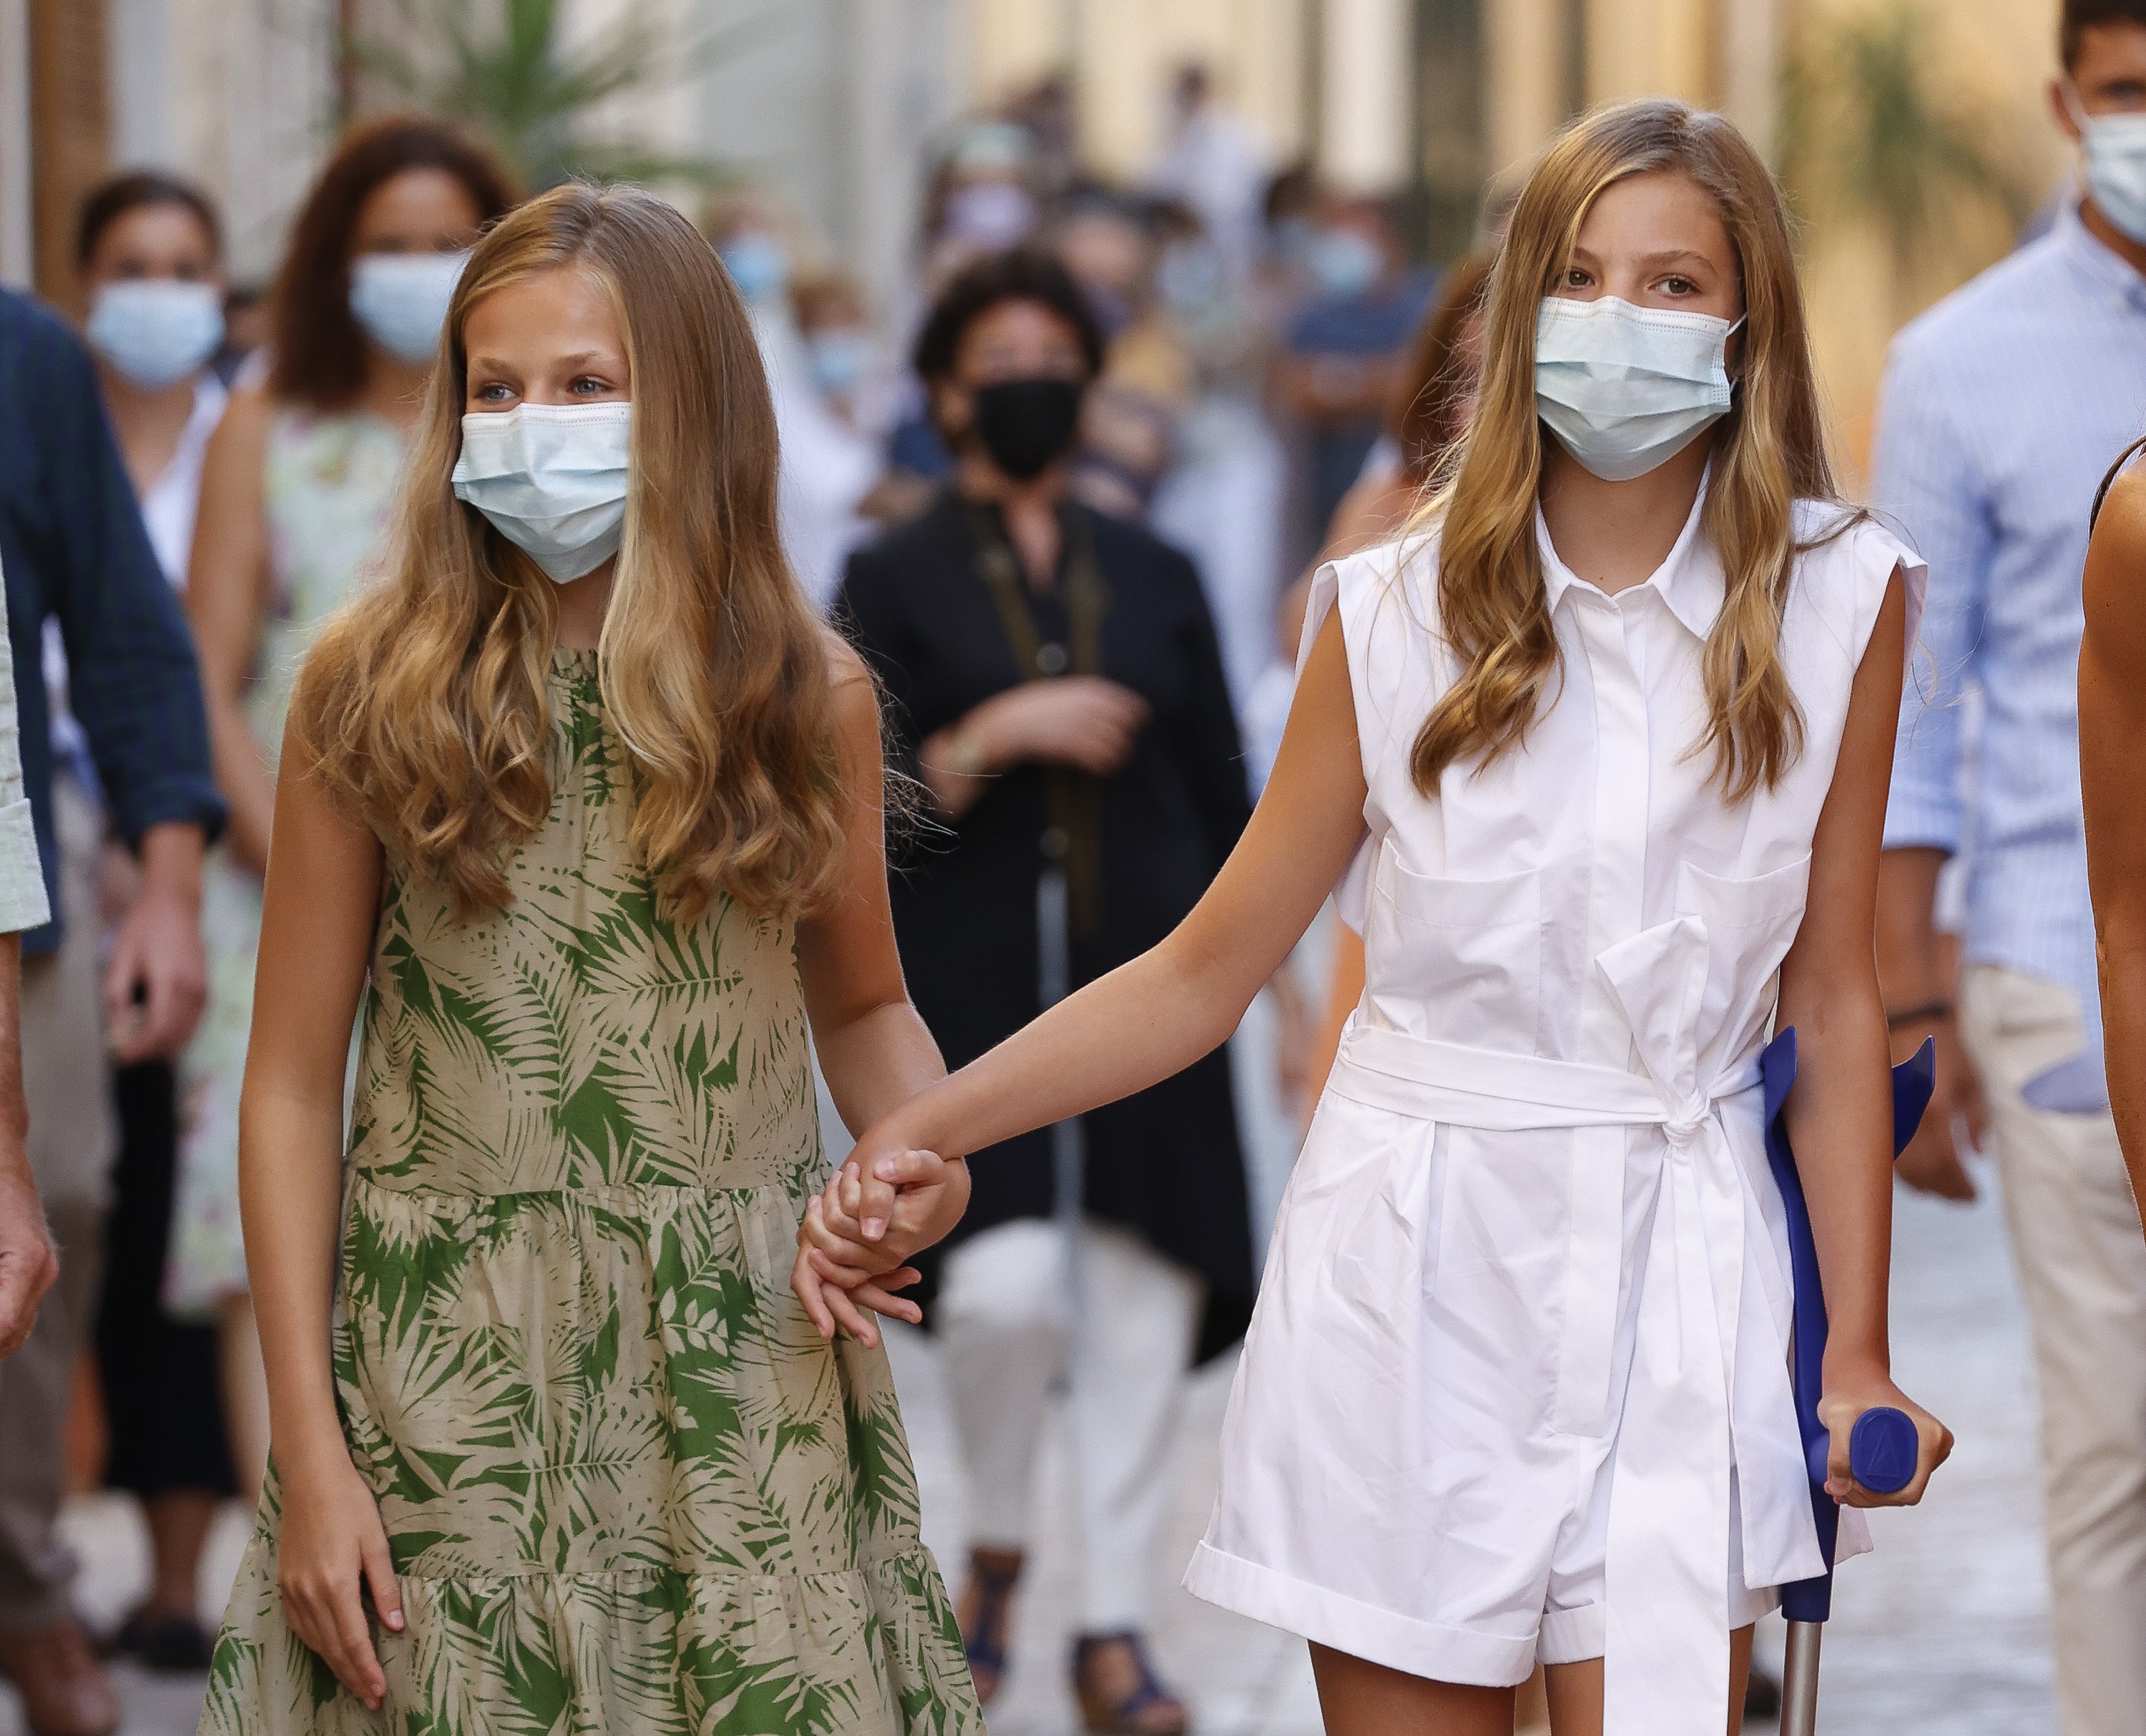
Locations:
(1344, 1624)
(1573, 1636)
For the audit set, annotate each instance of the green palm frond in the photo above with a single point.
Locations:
(512, 70)
(1870, 134)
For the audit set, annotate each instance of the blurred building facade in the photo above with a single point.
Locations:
(837, 104)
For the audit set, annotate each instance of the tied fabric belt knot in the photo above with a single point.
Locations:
(1706, 1416)
(1683, 1128)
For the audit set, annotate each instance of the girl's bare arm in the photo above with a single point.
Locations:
(1840, 1113)
(873, 1046)
(2112, 727)
(226, 595)
(322, 896)
(1156, 1016)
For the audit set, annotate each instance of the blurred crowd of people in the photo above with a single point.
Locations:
(1249, 354)
(1064, 491)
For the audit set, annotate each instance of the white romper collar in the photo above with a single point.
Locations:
(1689, 580)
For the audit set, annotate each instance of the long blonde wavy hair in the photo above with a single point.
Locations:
(1767, 452)
(422, 706)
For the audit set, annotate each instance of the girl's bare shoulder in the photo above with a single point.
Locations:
(845, 668)
(2119, 531)
(2115, 600)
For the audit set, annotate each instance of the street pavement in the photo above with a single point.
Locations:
(1940, 1633)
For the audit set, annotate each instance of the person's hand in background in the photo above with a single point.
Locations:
(157, 982)
(1933, 1162)
(1082, 721)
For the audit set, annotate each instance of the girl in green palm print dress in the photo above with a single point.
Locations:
(561, 1452)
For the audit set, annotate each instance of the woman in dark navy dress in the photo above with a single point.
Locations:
(1054, 684)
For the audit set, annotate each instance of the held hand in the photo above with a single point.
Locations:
(915, 1197)
(158, 980)
(332, 1547)
(1932, 1164)
(1847, 1397)
(907, 1200)
(1082, 721)
(838, 1296)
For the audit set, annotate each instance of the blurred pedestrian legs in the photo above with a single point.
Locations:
(2083, 1272)
(72, 1137)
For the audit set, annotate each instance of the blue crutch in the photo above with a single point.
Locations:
(1882, 1447)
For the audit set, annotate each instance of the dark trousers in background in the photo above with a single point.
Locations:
(162, 1396)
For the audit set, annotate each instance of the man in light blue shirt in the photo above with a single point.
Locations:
(2002, 409)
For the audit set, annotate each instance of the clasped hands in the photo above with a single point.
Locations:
(877, 1210)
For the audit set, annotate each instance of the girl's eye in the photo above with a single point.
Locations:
(1680, 285)
(588, 384)
(1576, 278)
(493, 391)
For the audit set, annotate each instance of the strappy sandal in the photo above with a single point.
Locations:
(1148, 1710)
(987, 1604)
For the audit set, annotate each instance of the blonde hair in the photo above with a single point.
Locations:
(1767, 452)
(423, 707)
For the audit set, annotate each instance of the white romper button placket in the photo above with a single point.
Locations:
(1617, 856)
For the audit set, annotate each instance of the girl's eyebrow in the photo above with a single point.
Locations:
(1675, 256)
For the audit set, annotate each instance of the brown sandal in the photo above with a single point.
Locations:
(1147, 1710)
(986, 1612)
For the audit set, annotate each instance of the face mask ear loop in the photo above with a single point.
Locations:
(2076, 106)
(1736, 379)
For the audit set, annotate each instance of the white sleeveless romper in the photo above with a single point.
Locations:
(1517, 1385)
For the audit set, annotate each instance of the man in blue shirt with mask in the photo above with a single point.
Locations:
(72, 550)
(1346, 347)
(2003, 407)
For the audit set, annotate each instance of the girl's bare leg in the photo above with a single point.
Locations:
(1575, 1691)
(1531, 1710)
(1360, 1699)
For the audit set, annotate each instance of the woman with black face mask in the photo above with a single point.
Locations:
(1054, 684)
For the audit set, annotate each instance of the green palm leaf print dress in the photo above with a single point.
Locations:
(627, 1486)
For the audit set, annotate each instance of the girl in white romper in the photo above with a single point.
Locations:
(1598, 755)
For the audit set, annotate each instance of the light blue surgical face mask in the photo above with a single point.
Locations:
(841, 357)
(156, 331)
(1625, 389)
(551, 478)
(758, 264)
(2115, 148)
(1343, 263)
(401, 300)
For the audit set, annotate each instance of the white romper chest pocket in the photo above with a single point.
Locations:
(1463, 956)
(1750, 926)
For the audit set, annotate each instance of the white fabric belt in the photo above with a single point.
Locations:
(1708, 1397)
(1505, 1092)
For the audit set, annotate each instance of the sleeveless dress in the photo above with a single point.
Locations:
(1517, 1385)
(327, 483)
(627, 1486)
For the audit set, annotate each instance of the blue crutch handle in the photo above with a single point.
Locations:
(1882, 1451)
(1886, 1437)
